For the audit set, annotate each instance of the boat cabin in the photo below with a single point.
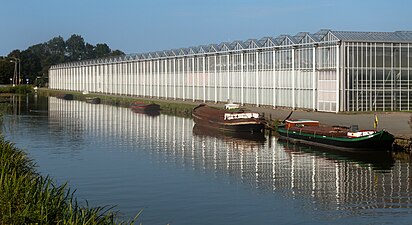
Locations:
(301, 123)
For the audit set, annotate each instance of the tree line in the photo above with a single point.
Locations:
(36, 60)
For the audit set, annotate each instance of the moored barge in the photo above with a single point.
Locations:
(235, 120)
(335, 137)
(65, 96)
(147, 108)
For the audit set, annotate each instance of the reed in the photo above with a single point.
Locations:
(29, 198)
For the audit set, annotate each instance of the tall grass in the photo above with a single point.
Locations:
(28, 198)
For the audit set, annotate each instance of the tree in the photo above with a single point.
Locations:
(89, 51)
(31, 65)
(37, 59)
(6, 70)
(117, 53)
(57, 46)
(102, 50)
(75, 47)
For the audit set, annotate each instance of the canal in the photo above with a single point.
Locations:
(179, 173)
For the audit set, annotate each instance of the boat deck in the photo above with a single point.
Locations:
(322, 130)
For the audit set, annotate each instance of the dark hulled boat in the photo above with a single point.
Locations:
(147, 108)
(65, 96)
(236, 120)
(336, 137)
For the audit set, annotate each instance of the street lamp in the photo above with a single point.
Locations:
(16, 76)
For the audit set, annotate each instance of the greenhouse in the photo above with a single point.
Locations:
(328, 71)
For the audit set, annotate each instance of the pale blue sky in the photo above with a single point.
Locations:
(136, 26)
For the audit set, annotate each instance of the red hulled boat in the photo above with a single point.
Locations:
(147, 108)
(235, 120)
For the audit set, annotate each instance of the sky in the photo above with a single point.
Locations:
(138, 26)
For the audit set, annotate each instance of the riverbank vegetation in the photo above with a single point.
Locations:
(19, 89)
(29, 198)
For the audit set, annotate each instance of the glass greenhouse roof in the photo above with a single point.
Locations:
(323, 36)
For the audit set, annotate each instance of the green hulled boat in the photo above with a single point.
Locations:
(336, 137)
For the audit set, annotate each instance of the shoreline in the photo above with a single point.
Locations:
(397, 123)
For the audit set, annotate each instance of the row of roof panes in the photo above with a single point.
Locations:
(300, 39)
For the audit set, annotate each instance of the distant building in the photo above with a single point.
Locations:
(328, 71)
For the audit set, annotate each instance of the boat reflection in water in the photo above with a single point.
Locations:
(239, 137)
(151, 113)
(377, 160)
(149, 109)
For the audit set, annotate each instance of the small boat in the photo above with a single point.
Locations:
(236, 120)
(65, 96)
(93, 100)
(335, 137)
(147, 108)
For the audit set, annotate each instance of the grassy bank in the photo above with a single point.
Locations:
(29, 198)
(167, 107)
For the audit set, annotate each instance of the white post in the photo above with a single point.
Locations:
(158, 78)
(274, 77)
(151, 78)
(241, 79)
(293, 79)
(183, 79)
(257, 78)
(215, 79)
(139, 78)
(204, 79)
(174, 78)
(193, 78)
(144, 78)
(228, 77)
(314, 78)
(166, 75)
(337, 77)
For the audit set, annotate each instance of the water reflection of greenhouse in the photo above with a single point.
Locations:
(269, 166)
(325, 71)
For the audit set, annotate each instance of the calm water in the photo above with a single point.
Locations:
(182, 174)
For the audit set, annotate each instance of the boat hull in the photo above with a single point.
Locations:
(379, 141)
(65, 96)
(214, 118)
(150, 109)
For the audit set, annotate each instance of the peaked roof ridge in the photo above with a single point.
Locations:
(379, 36)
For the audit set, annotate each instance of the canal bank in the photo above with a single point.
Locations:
(397, 123)
(113, 156)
